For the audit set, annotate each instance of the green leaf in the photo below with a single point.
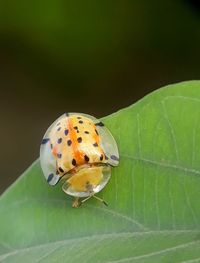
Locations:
(153, 196)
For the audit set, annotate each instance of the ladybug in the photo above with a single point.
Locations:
(79, 149)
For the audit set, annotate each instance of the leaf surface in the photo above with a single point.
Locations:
(153, 196)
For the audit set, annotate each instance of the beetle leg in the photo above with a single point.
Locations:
(76, 202)
(100, 199)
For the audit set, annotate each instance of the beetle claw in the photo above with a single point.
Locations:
(76, 203)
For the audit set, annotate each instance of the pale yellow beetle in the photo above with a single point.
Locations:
(81, 150)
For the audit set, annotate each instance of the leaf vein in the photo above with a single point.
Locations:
(164, 165)
(163, 251)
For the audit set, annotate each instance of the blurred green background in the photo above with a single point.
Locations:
(85, 56)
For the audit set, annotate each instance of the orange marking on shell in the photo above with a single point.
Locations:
(73, 136)
(54, 151)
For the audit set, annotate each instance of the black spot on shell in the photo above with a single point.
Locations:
(59, 140)
(75, 128)
(100, 124)
(66, 132)
(86, 132)
(45, 140)
(59, 129)
(101, 157)
(114, 157)
(61, 170)
(50, 177)
(69, 142)
(79, 117)
(59, 155)
(96, 132)
(74, 162)
(79, 139)
(86, 158)
(81, 122)
(95, 144)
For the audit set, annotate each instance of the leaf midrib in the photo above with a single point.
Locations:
(102, 236)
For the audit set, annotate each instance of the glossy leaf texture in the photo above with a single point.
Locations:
(153, 195)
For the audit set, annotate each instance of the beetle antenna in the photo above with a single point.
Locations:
(100, 199)
(96, 197)
(83, 201)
